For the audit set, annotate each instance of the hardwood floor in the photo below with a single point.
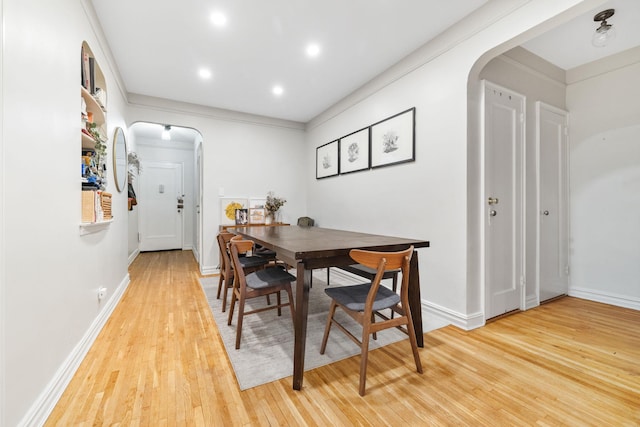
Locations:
(160, 361)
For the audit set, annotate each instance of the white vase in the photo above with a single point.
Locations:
(268, 219)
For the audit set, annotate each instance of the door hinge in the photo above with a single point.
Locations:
(566, 270)
(138, 237)
(522, 282)
(521, 117)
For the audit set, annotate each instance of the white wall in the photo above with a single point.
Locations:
(605, 180)
(436, 197)
(244, 155)
(51, 272)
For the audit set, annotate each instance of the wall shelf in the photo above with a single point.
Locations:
(94, 227)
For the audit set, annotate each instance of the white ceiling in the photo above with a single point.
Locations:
(569, 45)
(159, 46)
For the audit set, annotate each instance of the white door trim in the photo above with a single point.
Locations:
(564, 215)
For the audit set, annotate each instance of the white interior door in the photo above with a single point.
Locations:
(161, 189)
(504, 199)
(553, 218)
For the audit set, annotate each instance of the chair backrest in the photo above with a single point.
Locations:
(237, 247)
(305, 221)
(384, 261)
(223, 243)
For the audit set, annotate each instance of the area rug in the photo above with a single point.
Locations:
(266, 348)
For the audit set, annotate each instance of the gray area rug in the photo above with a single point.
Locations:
(266, 348)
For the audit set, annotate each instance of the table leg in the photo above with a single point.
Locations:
(302, 310)
(414, 298)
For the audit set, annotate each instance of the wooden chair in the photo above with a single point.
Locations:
(271, 280)
(250, 264)
(364, 302)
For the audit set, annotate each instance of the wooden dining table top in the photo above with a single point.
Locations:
(296, 243)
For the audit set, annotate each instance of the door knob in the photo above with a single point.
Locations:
(492, 201)
(546, 213)
(492, 212)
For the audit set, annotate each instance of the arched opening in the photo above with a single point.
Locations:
(167, 189)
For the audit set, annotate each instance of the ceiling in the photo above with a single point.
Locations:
(160, 46)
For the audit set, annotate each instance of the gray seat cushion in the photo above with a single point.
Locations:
(267, 277)
(252, 261)
(354, 297)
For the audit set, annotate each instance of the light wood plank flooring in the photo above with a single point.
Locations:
(159, 361)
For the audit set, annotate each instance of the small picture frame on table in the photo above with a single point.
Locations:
(256, 215)
(242, 216)
(354, 151)
(393, 139)
(327, 160)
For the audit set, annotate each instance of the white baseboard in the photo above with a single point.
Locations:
(605, 297)
(134, 255)
(462, 321)
(44, 404)
(532, 301)
(206, 271)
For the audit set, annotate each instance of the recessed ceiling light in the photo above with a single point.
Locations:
(204, 73)
(277, 90)
(219, 19)
(313, 50)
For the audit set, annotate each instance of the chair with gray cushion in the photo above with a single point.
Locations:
(365, 301)
(249, 264)
(264, 282)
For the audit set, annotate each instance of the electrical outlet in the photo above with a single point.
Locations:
(101, 293)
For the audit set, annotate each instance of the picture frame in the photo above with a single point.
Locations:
(257, 202)
(355, 151)
(393, 139)
(257, 215)
(228, 206)
(242, 216)
(327, 160)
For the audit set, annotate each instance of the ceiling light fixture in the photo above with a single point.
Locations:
(218, 19)
(278, 90)
(204, 73)
(605, 32)
(166, 135)
(313, 50)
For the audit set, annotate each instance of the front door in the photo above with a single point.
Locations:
(161, 191)
(553, 218)
(503, 199)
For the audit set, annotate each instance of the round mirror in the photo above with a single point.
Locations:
(119, 159)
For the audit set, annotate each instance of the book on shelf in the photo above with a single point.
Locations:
(92, 75)
(85, 71)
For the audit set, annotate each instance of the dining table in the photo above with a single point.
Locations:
(309, 248)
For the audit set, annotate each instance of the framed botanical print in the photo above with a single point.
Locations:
(393, 139)
(354, 151)
(228, 206)
(327, 160)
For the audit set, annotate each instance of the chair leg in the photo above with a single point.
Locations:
(293, 311)
(373, 320)
(364, 356)
(394, 286)
(327, 328)
(278, 302)
(233, 304)
(240, 318)
(328, 271)
(228, 283)
(220, 281)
